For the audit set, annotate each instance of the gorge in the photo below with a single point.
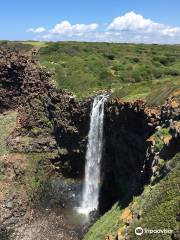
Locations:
(49, 147)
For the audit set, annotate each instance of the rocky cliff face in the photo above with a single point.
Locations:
(48, 119)
(127, 151)
(11, 78)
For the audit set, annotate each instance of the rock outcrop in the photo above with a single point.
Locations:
(49, 119)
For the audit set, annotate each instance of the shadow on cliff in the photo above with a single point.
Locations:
(126, 165)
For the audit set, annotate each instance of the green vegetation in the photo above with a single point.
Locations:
(2, 170)
(131, 71)
(4, 235)
(108, 224)
(37, 172)
(154, 92)
(34, 43)
(7, 123)
(25, 46)
(158, 137)
(159, 205)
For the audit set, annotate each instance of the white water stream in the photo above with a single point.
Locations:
(90, 196)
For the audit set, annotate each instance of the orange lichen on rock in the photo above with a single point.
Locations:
(174, 104)
(109, 237)
(127, 216)
(167, 139)
(176, 93)
(120, 233)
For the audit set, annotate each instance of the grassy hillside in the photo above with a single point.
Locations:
(157, 207)
(132, 71)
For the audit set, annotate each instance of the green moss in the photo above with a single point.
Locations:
(2, 170)
(158, 138)
(4, 235)
(159, 205)
(39, 117)
(161, 217)
(7, 123)
(106, 225)
(37, 172)
(36, 131)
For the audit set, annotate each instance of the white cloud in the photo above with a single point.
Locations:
(65, 28)
(132, 22)
(135, 28)
(131, 27)
(171, 31)
(37, 30)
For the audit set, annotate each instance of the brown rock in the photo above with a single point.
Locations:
(109, 237)
(126, 216)
(167, 139)
(120, 234)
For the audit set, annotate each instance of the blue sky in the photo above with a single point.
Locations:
(91, 20)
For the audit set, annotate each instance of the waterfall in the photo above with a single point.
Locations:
(90, 196)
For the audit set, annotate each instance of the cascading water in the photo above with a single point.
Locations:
(90, 196)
